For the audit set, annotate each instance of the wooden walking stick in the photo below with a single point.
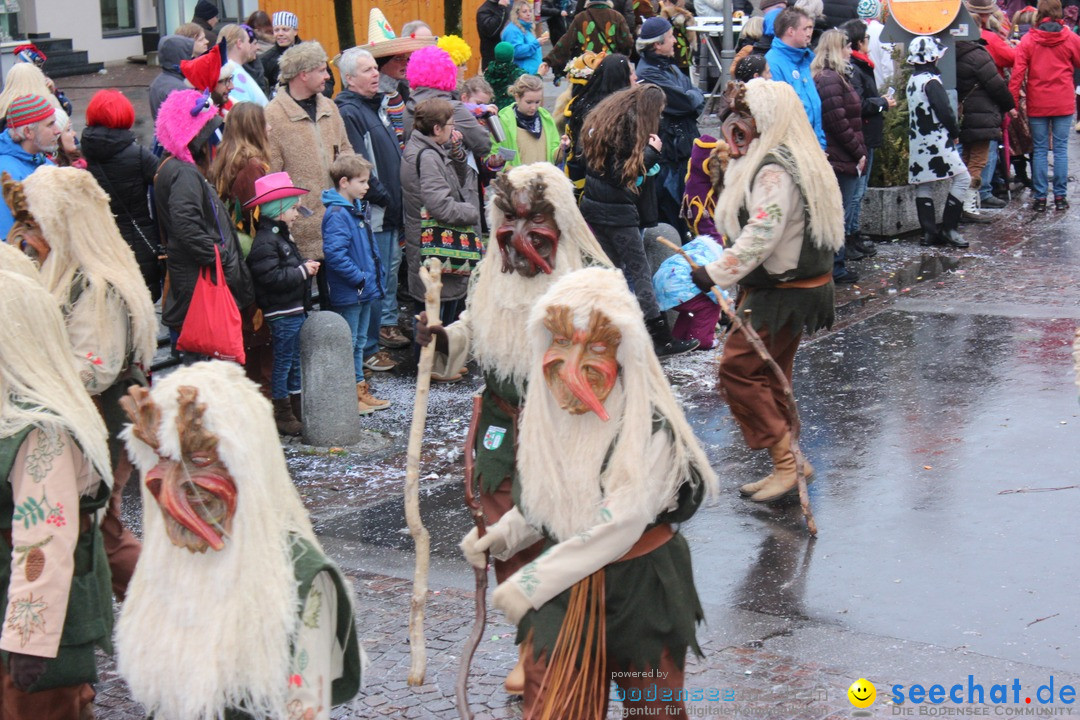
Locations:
(462, 691)
(431, 275)
(792, 408)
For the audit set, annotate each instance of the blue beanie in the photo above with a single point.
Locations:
(653, 29)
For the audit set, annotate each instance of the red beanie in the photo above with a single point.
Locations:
(109, 108)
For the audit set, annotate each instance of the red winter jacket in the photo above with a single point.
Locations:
(1046, 57)
(1003, 53)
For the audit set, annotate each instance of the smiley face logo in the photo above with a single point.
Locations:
(862, 693)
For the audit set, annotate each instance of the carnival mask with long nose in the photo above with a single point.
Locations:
(739, 127)
(528, 237)
(580, 366)
(196, 493)
(25, 233)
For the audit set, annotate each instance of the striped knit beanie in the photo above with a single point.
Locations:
(28, 109)
(284, 18)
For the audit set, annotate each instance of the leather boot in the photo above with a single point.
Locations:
(364, 398)
(286, 422)
(854, 252)
(663, 343)
(783, 479)
(515, 681)
(296, 405)
(752, 487)
(927, 221)
(950, 220)
(863, 244)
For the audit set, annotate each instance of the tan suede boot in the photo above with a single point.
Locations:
(362, 406)
(515, 681)
(286, 422)
(783, 479)
(752, 487)
(363, 395)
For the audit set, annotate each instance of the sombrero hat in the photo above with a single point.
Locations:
(382, 42)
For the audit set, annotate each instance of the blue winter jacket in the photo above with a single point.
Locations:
(353, 266)
(17, 163)
(527, 53)
(792, 65)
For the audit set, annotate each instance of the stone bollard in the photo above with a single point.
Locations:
(330, 411)
(658, 252)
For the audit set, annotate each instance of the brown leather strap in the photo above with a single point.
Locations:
(807, 282)
(649, 541)
(505, 405)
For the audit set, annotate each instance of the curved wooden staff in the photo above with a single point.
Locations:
(789, 395)
(462, 692)
(431, 275)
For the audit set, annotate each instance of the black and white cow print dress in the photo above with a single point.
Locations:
(931, 155)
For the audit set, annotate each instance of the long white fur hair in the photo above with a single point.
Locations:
(39, 384)
(499, 302)
(781, 120)
(561, 456)
(73, 212)
(199, 633)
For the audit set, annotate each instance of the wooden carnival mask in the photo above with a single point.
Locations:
(196, 493)
(25, 233)
(580, 366)
(739, 128)
(529, 237)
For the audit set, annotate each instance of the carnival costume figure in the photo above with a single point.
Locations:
(781, 206)
(234, 609)
(608, 469)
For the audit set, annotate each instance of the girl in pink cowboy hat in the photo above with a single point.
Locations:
(282, 288)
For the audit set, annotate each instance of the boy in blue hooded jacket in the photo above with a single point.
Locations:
(353, 265)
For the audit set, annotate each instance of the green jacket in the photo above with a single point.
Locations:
(508, 118)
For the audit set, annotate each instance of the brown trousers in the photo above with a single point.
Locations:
(121, 546)
(495, 506)
(643, 691)
(66, 703)
(751, 389)
(975, 156)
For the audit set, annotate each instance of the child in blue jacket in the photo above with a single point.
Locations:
(353, 265)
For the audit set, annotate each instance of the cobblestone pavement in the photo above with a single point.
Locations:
(759, 683)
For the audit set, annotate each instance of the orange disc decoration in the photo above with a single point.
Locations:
(924, 17)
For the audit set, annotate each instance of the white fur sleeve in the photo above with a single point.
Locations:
(459, 341)
(773, 205)
(621, 521)
(318, 658)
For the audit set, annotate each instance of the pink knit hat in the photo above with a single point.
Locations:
(180, 119)
(432, 67)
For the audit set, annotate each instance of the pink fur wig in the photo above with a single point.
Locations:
(176, 126)
(432, 67)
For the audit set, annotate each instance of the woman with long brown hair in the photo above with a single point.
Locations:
(622, 151)
(241, 159)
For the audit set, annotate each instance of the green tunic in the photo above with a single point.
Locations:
(651, 603)
(496, 439)
(89, 619)
(773, 307)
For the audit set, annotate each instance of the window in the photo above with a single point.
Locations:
(117, 17)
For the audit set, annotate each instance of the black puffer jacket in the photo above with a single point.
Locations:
(282, 285)
(607, 200)
(491, 18)
(125, 170)
(841, 116)
(835, 13)
(982, 93)
(194, 220)
(873, 105)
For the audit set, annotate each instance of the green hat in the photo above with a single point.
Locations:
(504, 52)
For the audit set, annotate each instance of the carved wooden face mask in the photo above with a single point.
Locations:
(25, 233)
(580, 365)
(529, 237)
(739, 128)
(196, 493)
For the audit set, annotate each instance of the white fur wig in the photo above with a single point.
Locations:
(15, 260)
(73, 212)
(560, 456)
(38, 381)
(499, 302)
(781, 121)
(202, 632)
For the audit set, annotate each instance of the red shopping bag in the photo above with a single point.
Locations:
(212, 325)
